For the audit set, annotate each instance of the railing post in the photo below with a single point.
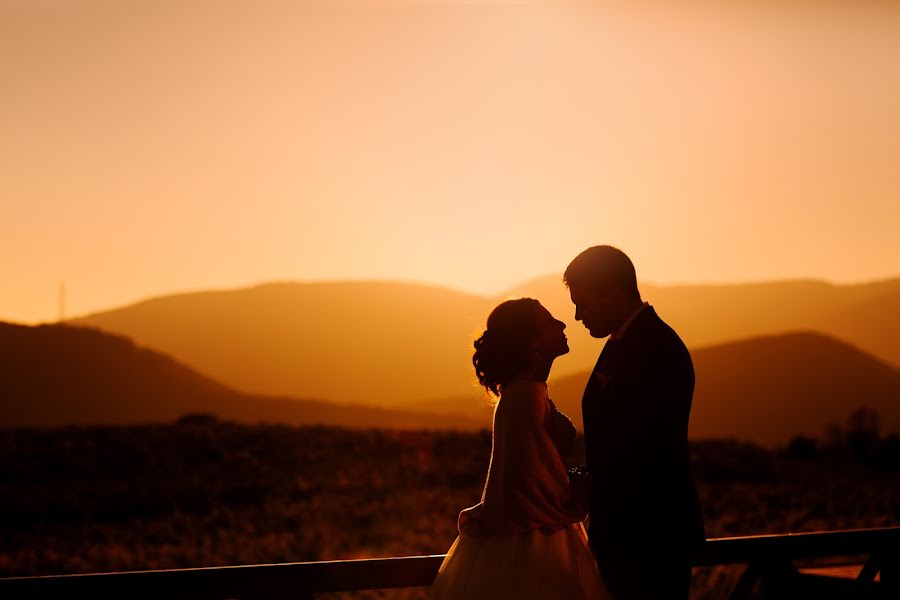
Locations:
(890, 574)
(778, 580)
(870, 569)
(746, 583)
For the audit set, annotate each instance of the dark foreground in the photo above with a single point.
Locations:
(205, 493)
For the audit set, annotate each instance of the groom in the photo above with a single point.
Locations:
(645, 519)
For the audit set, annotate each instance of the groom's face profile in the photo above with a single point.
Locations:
(596, 309)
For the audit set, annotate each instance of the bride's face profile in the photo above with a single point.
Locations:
(551, 339)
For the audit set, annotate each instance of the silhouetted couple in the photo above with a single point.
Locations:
(526, 538)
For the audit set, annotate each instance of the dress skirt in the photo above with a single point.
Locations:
(524, 566)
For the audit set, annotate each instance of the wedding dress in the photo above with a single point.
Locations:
(525, 539)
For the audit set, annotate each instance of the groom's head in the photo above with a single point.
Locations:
(603, 288)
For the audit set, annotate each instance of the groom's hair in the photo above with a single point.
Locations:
(601, 268)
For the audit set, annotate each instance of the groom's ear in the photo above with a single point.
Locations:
(619, 295)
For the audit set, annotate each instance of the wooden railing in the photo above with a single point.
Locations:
(770, 559)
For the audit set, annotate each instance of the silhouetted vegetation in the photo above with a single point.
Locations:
(203, 492)
(859, 441)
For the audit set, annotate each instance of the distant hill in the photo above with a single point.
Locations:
(384, 344)
(54, 375)
(769, 389)
(363, 342)
(765, 389)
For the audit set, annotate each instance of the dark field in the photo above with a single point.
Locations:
(205, 493)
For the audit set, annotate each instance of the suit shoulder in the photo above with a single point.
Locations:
(653, 329)
(671, 335)
(663, 342)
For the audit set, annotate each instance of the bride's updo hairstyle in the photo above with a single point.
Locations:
(504, 349)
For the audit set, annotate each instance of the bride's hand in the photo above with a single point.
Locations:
(580, 485)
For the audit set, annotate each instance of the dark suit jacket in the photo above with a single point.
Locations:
(636, 407)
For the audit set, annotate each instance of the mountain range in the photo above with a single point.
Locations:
(864, 315)
(388, 344)
(57, 375)
(764, 389)
(768, 389)
(355, 342)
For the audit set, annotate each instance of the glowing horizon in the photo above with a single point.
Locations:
(506, 291)
(189, 146)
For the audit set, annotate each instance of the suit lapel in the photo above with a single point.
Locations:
(612, 353)
(609, 349)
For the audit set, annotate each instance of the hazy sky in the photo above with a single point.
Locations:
(156, 146)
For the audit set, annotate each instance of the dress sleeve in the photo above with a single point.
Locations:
(527, 486)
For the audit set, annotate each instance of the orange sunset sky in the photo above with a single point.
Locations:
(152, 146)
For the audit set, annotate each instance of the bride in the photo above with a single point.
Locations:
(525, 539)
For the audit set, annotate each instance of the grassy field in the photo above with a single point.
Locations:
(205, 493)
